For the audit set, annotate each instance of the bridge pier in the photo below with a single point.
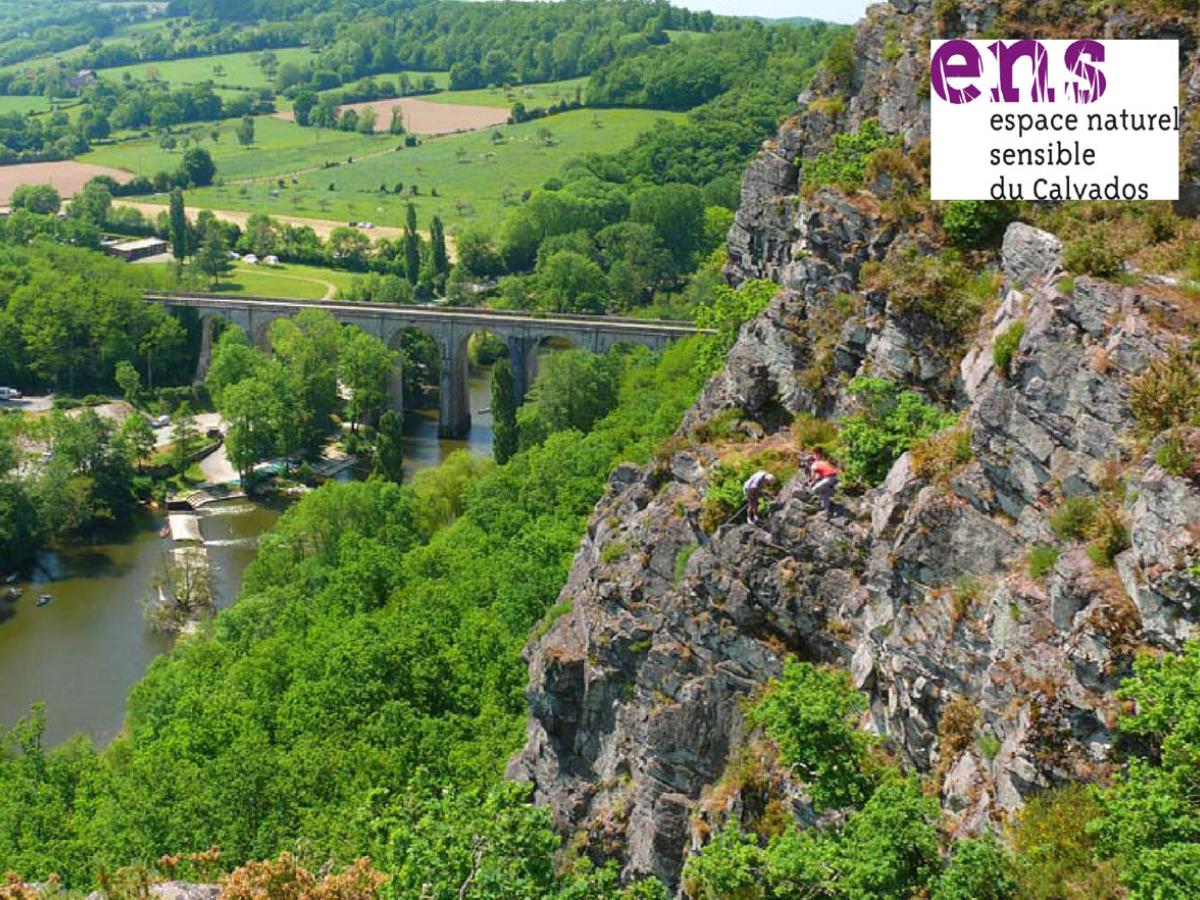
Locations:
(454, 397)
(395, 388)
(522, 358)
(205, 360)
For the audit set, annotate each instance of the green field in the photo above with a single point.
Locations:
(475, 179)
(39, 62)
(23, 104)
(288, 281)
(239, 69)
(279, 148)
(532, 95)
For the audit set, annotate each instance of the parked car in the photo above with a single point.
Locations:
(7, 393)
(160, 421)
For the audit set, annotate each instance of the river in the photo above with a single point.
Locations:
(82, 652)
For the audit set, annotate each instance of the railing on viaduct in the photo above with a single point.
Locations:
(449, 326)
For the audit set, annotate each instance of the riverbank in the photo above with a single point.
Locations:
(81, 653)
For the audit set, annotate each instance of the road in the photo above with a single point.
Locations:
(30, 404)
(323, 227)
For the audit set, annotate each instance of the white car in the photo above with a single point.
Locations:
(160, 421)
(7, 393)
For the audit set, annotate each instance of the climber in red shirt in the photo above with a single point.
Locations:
(824, 480)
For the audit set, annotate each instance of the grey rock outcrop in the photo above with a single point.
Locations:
(919, 587)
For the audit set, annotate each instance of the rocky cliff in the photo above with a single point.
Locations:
(921, 586)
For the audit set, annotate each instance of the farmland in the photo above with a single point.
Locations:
(279, 148)
(532, 95)
(229, 69)
(475, 179)
(66, 177)
(423, 117)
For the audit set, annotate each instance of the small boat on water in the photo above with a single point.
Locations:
(13, 593)
(165, 531)
(11, 578)
(44, 599)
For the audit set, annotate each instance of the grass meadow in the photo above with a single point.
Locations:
(228, 69)
(279, 148)
(286, 281)
(475, 179)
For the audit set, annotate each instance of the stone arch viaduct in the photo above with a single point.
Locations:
(449, 326)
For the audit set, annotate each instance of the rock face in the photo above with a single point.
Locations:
(889, 84)
(920, 587)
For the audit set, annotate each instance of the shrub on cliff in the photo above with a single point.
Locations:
(889, 422)
(1167, 393)
(976, 223)
(940, 287)
(845, 163)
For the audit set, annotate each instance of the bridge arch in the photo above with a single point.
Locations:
(450, 327)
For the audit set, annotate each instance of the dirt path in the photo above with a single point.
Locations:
(424, 117)
(323, 227)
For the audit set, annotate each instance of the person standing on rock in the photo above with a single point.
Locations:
(824, 478)
(753, 489)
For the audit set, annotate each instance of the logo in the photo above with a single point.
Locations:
(1054, 120)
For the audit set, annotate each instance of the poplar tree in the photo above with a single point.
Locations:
(412, 247)
(504, 412)
(179, 225)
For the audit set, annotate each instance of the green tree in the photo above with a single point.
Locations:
(812, 715)
(979, 869)
(21, 528)
(164, 338)
(37, 198)
(184, 436)
(245, 131)
(505, 437)
(396, 126)
(569, 282)
(248, 408)
(441, 259)
(129, 381)
(364, 365)
(213, 256)
(178, 225)
(677, 213)
(573, 391)
(725, 312)
(308, 347)
(412, 246)
(389, 447)
(889, 421)
(499, 841)
(92, 203)
(233, 360)
(197, 168)
(137, 438)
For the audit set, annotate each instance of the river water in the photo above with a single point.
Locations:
(80, 653)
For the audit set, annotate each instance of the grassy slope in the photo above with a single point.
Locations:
(24, 104)
(240, 68)
(280, 147)
(288, 281)
(532, 95)
(476, 189)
